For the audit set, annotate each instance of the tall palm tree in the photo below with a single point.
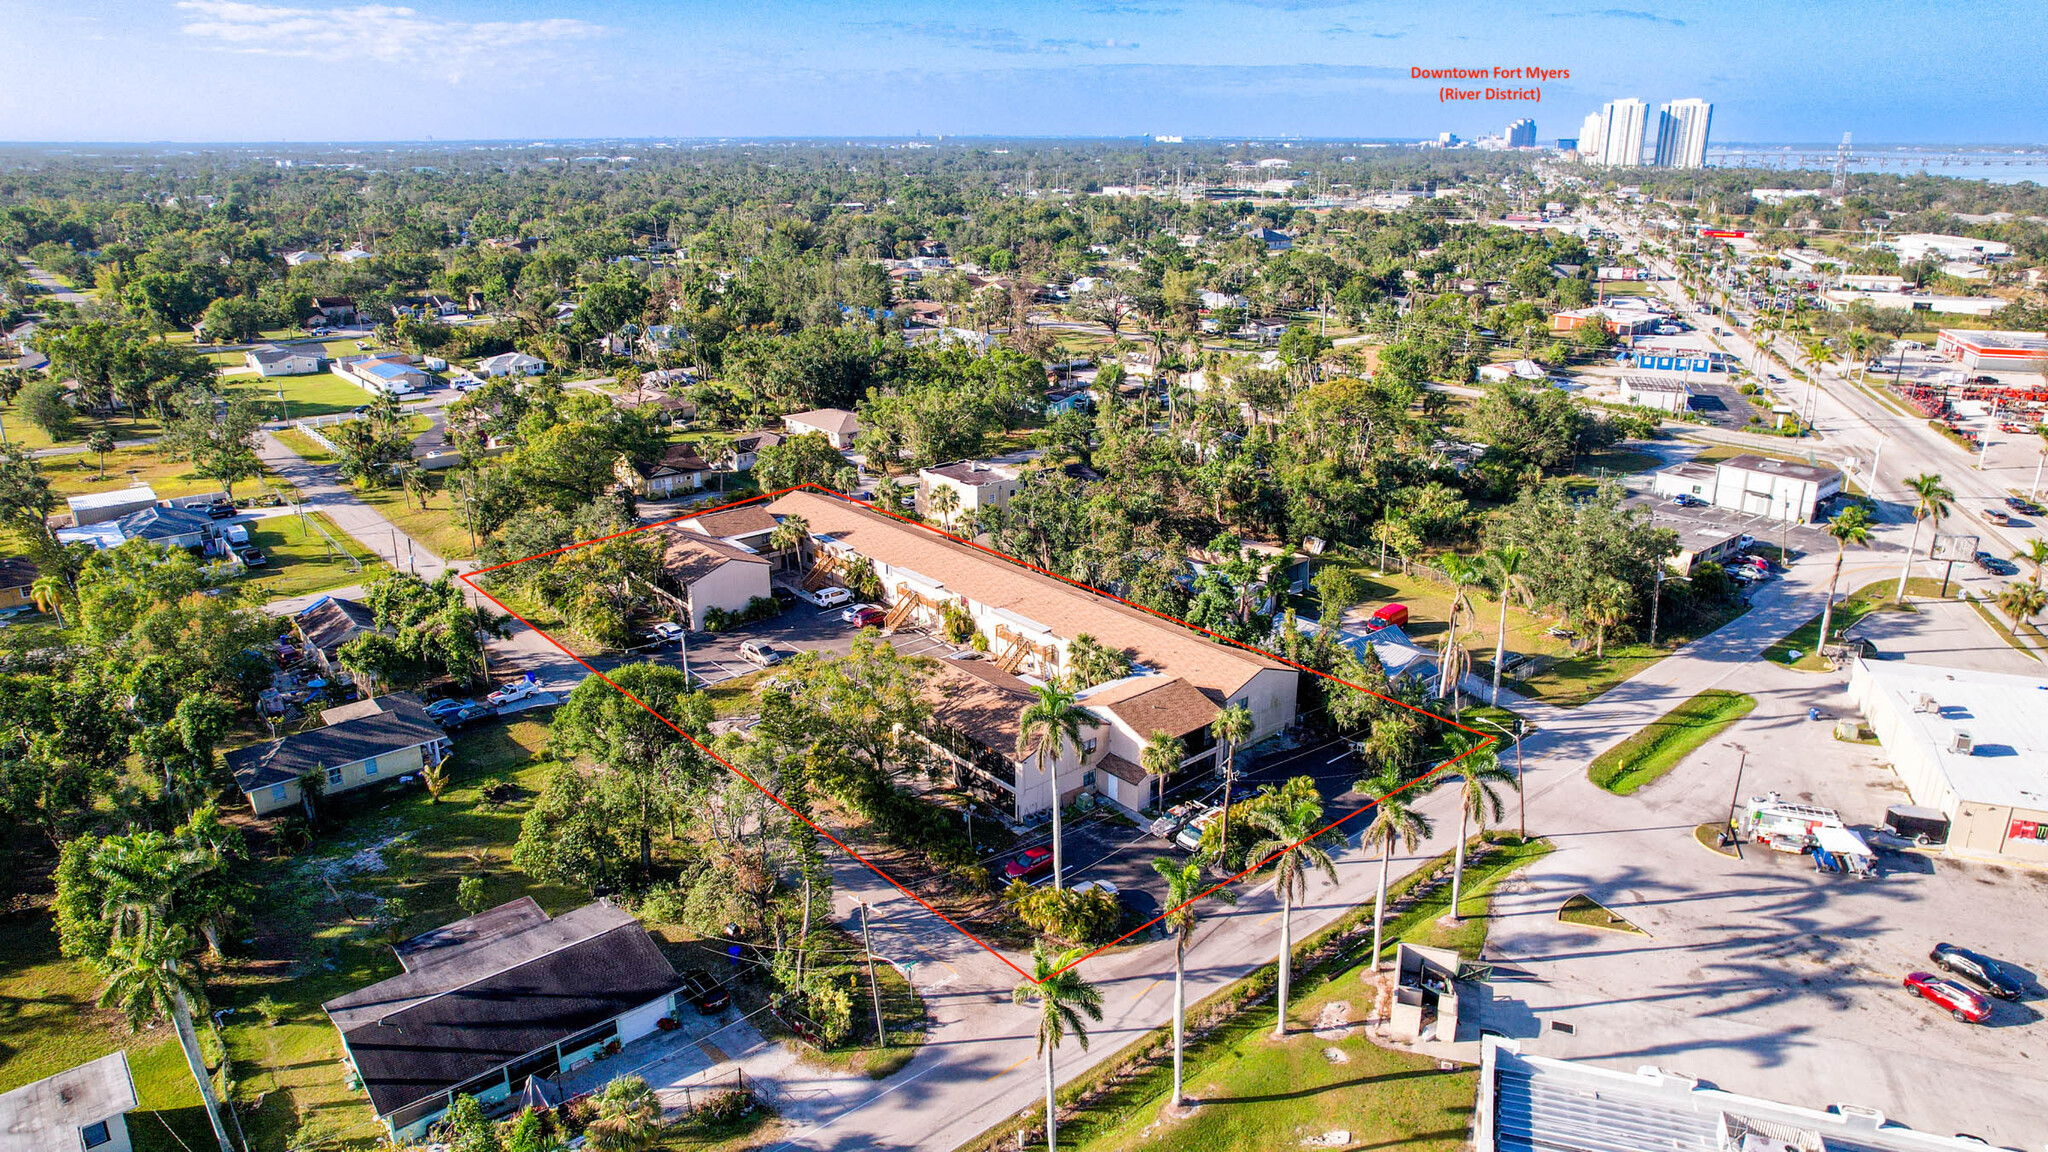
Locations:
(48, 593)
(1063, 999)
(1930, 502)
(1393, 822)
(889, 493)
(1851, 526)
(2020, 601)
(1231, 727)
(148, 979)
(1609, 607)
(1478, 769)
(1183, 892)
(1291, 844)
(1161, 758)
(1047, 728)
(1462, 573)
(1504, 572)
(944, 500)
(2037, 555)
(1089, 662)
(790, 535)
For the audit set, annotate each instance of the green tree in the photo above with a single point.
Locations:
(1231, 727)
(465, 1127)
(1065, 1004)
(1184, 889)
(628, 1116)
(806, 459)
(218, 436)
(1478, 769)
(645, 763)
(1504, 572)
(1461, 573)
(1294, 842)
(1850, 526)
(43, 404)
(1394, 821)
(2020, 601)
(1930, 503)
(1047, 729)
(1160, 758)
(100, 442)
(2036, 555)
(148, 979)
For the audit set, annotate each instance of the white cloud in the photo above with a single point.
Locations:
(380, 32)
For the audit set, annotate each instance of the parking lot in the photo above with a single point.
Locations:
(714, 658)
(1800, 538)
(1760, 973)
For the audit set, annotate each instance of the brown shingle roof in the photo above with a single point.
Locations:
(1149, 704)
(688, 557)
(680, 458)
(745, 520)
(980, 701)
(1121, 768)
(999, 583)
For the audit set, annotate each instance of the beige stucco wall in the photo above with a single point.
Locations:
(730, 586)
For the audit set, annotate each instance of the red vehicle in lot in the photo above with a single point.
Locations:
(868, 616)
(1029, 864)
(1963, 1004)
(1394, 614)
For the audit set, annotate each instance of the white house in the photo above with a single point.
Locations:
(511, 364)
(974, 485)
(1754, 485)
(82, 1109)
(95, 507)
(680, 469)
(709, 573)
(302, 257)
(1224, 300)
(286, 360)
(1516, 370)
(836, 424)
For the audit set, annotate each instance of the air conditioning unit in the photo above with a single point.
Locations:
(1925, 703)
(1961, 744)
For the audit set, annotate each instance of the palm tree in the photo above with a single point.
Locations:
(1183, 890)
(628, 1116)
(1462, 573)
(1930, 502)
(1051, 725)
(1851, 526)
(1161, 758)
(1231, 727)
(48, 593)
(1063, 999)
(889, 493)
(1504, 572)
(148, 979)
(1291, 835)
(1479, 769)
(944, 500)
(1091, 663)
(2037, 555)
(2020, 601)
(1609, 607)
(1393, 821)
(791, 534)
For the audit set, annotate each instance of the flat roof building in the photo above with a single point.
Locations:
(1664, 393)
(1967, 744)
(2018, 351)
(1754, 485)
(82, 1109)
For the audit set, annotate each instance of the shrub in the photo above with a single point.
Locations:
(958, 625)
(723, 1108)
(1075, 917)
(759, 608)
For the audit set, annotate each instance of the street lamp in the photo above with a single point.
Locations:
(1521, 794)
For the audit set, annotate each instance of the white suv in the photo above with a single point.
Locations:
(833, 597)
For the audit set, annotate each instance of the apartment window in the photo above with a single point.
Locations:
(333, 777)
(95, 1134)
(1088, 746)
(278, 793)
(370, 766)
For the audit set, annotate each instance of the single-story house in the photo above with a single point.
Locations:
(1516, 370)
(680, 469)
(17, 577)
(354, 254)
(335, 309)
(385, 372)
(746, 527)
(82, 1109)
(94, 507)
(709, 573)
(288, 360)
(367, 742)
(668, 406)
(656, 339)
(328, 623)
(303, 257)
(835, 424)
(1224, 300)
(171, 527)
(493, 1000)
(511, 364)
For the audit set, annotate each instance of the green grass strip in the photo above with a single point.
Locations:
(1659, 746)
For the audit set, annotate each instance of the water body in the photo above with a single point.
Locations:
(1997, 165)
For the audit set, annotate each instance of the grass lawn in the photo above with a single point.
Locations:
(303, 444)
(436, 528)
(1860, 603)
(22, 434)
(1617, 462)
(78, 475)
(1258, 1093)
(1657, 748)
(301, 560)
(1587, 912)
(314, 394)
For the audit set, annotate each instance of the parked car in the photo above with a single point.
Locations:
(1961, 1003)
(1998, 518)
(852, 615)
(868, 616)
(1189, 839)
(762, 653)
(784, 597)
(707, 994)
(833, 597)
(1096, 886)
(1979, 969)
(220, 510)
(515, 691)
(664, 632)
(252, 556)
(1029, 864)
(2017, 504)
(470, 712)
(447, 707)
(2017, 429)
(1688, 500)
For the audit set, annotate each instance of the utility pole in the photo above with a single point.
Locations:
(1735, 800)
(1656, 602)
(874, 993)
(1521, 792)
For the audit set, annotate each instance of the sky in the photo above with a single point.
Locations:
(314, 70)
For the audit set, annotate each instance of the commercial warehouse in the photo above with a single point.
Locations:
(2012, 351)
(1967, 744)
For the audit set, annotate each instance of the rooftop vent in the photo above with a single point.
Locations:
(1925, 703)
(1960, 743)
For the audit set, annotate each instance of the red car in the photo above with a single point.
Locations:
(1963, 1004)
(1029, 864)
(869, 617)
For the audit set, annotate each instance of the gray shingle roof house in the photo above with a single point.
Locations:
(80, 1109)
(272, 360)
(171, 527)
(328, 623)
(489, 1001)
(366, 743)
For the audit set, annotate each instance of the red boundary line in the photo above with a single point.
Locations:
(469, 579)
